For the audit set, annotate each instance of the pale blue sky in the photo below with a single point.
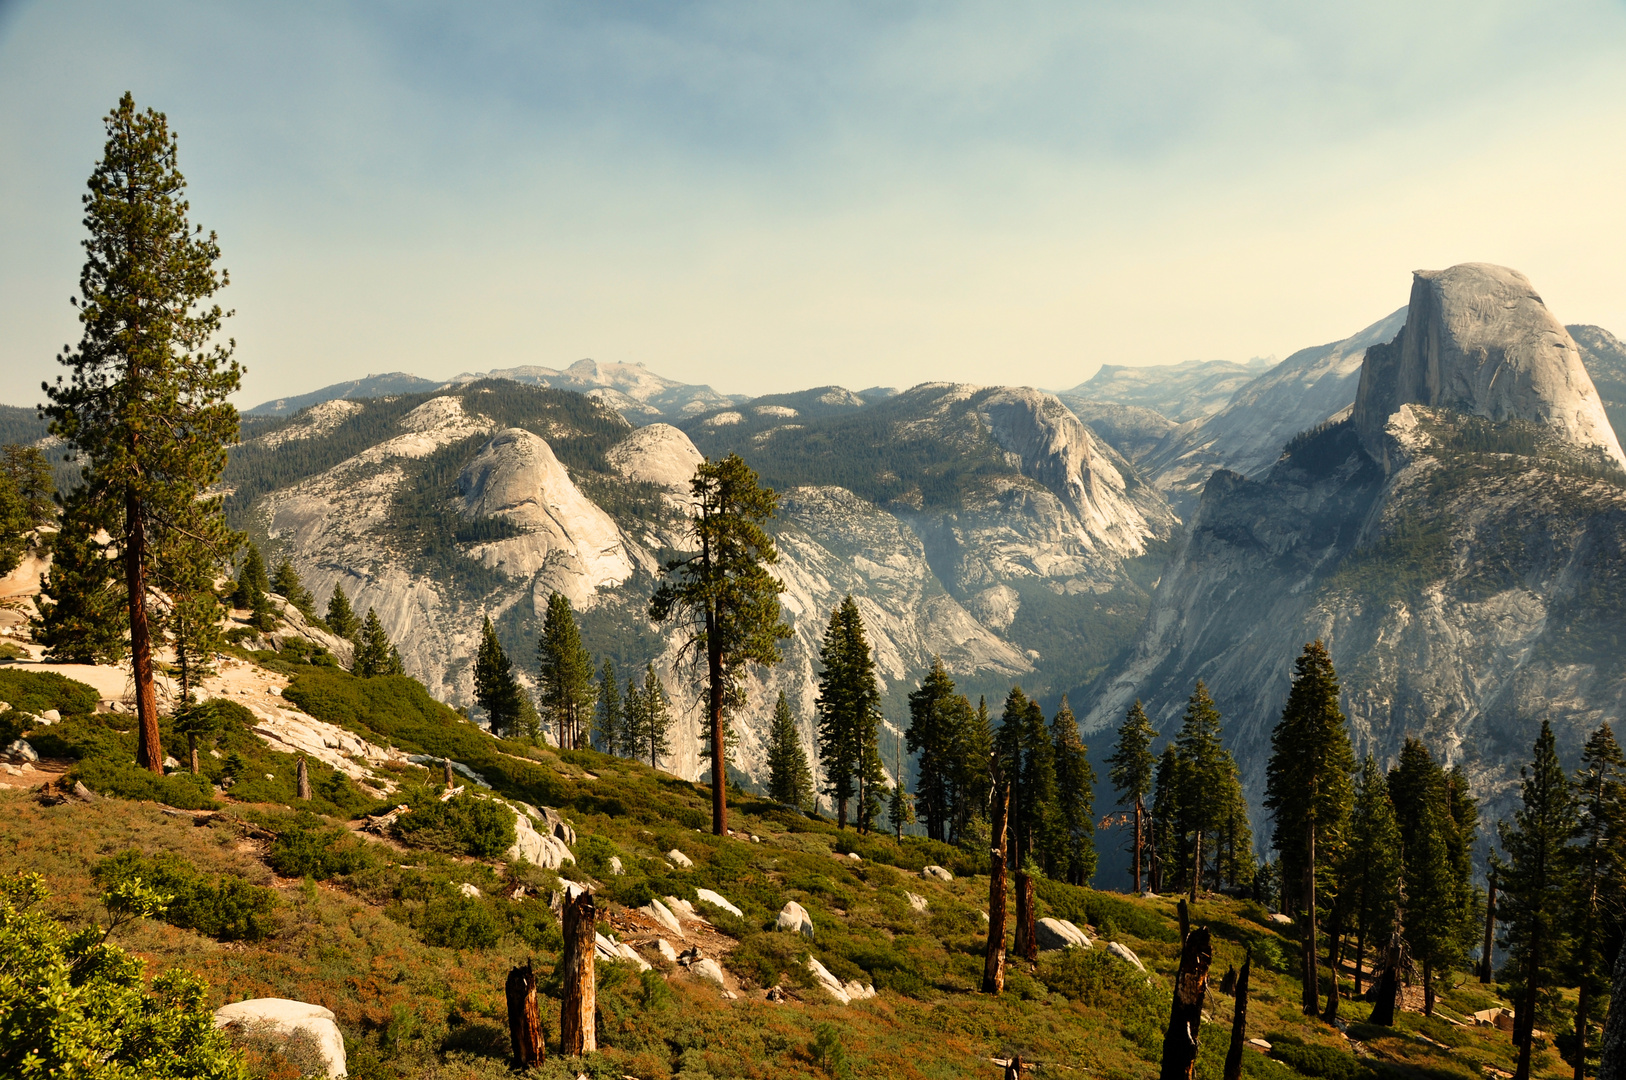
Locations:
(769, 196)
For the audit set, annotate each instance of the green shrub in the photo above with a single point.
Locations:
(226, 908)
(1092, 977)
(767, 956)
(1266, 950)
(454, 921)
(125, 781)
(36, 691)
(1086, 906)
(1322, 1061)
(307, 848)
(827, 1052)
(462, 825)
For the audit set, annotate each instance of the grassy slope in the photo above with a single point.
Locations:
(357, 944)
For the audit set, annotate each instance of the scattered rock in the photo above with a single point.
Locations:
(1124, 953)
(678, 859)
(707, 968)
(664, 947)
(937, 872)
(616, 869)
(83, 793)
(663, 915)
(540, 849)
(683, 909)
(830, 984)
(287, 1017)
(794, 917)
(775, 994)
(858, 991)
(468, 890)
(916, 901)
(558, 826)
(1280, 919)
(854, 856)
(1060, 934)
(170, 764)
(755, 839)
(21, 751)
(629, 953)
(716, 900)
(51, 716)
(1260, 1045)
(1501, 1019)
(984, 915)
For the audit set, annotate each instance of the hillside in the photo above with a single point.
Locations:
(407, 937)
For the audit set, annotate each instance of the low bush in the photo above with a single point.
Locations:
(1091, 977)
(1322, 1061)
(454, 921)
(225, 908)
(36, 691)
(1081, 906)
(462, 825)
(124, 780)
(304, 847)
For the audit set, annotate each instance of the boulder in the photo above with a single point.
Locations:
(708, 968)
(664, 947)
(937, 872)
(262, 1015)
(468, 890)
(616, 869)
(1280, 919)
(679, 860)
(916, 901)
(629, 953)
(1501, 1019)
(540, 849)
(716, 900)
(604, 948)
(857, 991)
(170, 764)
(828, 982)
(794, 917)
(558, 826)
(19, 750)
(51, 716)
(683, 909)
(662, 916)
(1126, 954)
(1060, 934)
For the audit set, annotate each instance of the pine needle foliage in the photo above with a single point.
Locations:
(565, 692)
(1132, 766)
(849, 717)
(790, 781)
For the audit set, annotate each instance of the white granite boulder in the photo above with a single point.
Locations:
(937, 872)
(1060, 934)
(794, 917)
(1126, 954)
(540, 849)
(663, 916)
(717, 900)
(916, 901)
(679, 860)
(259, 1015)
(708, 968)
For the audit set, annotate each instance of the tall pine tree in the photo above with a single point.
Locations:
(1369, 873)
(341, 618)
(936, 715)
(565, 691)
(1308, 793)
(496, 690)
(849, 717)
(648, 718)
(1438, 924)
(1075, 797)
(1168, 860)
(1598, 897)
(790, 781)
(82, 598)
(375, 655)
(1132, 764)
(610, 728)
(1535, 886)
(287, 584)
(1204, 765)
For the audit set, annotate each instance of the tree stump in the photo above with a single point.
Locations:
(1239, 1025)
(1388, 991)
(304, 780)
(578, 1002)
(446, 766)
(1186, 1011)
(524, 1021)
(993, 967)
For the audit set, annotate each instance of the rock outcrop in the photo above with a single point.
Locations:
(287, 1019)
(657, 454)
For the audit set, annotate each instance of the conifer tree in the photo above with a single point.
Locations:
(790, 781)
(1168, 850)
(252, 580)
(610, 726)
(565, 690)
(649, 716)
(727, 598)
(25, 501)
(82, 599)
(146, 409)
(496, 690)
(1233, 839)
(1132, 764)
(1039, 820)
(849, 717)
(286, 584)
(1535, 886)
(341, 618)
(936, 715)
(973, 783)
(1369, 873)
(375, 655)
(900, 809)
(1075, 798)
(1598, 899)
(1308, 793)
(1204, 766)
(1434, 872)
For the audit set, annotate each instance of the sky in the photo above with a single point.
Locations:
(769, 196)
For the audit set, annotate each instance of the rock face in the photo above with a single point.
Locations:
(1462, 559)
(1479, 340)
(1180, 392)
(259, 1015)
(657, 454)
(1060, 934)
(794, 917)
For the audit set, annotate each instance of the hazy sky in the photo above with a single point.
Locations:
(771, 196)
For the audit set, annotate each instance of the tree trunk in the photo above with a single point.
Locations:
(524, 1021)
(446, 768)
(1239, 1025)
(1428, 988)
(1383, 1010)
(192, 747)
(1334, 940)
(1582, 1005)
(714, 711)
(303, 779)
(1137, 846)
(993, 966)
(1360, 954)
(1612, 1044)
(1197, 867)
(1487, 970)
(1186, 1011)
(1312, 989)
(578, 999)
(149, 754)
(1014, 1069)
(1527, 1022)
(1027, 939)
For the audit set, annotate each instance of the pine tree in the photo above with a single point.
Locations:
(1308, 793)
(286, 584)
(146, 408)
(1535, 886)
(1233, 839)
(1132, 764)
(936, 715)
(1205, 763)
(565, 690)
(610, 726)
(252, 580)
(496, 690)
(341, 619)
(1075, 797)
(1434, 872)
(1168, 859)
(25, 501)
(1369, 873)
(849, 716)
(648, 716)
(374, 653)
(1039, 817)
(1597, 902)
(973, 783)
(790, 781)
(900, 809)
(727, 598)
(81, 599)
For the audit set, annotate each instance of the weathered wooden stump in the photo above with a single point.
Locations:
(524, 1021)
(304, 780)
(578, 1003)
(1186, 1011)
(1239, 1025)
